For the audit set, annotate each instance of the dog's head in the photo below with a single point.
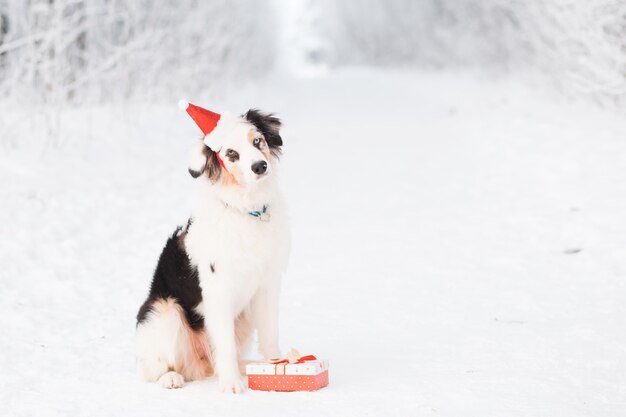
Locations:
(249, 152)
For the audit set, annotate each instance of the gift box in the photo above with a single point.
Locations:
(296, 373)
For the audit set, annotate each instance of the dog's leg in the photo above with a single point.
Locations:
(221, 326)
(265, 314)
(160, 340)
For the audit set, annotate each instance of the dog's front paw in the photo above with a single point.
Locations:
(171, 380)
(232, 385)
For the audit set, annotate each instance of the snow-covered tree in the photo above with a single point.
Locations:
(76, 51)
(581, 44)
(100, 50)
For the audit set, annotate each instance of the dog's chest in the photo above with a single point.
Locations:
(236, 252)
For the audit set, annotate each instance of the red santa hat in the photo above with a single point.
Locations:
(215, 126)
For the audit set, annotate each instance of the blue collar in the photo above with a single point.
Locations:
(262, 215)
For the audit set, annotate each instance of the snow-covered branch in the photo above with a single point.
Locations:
(77, 51)
(580, 44)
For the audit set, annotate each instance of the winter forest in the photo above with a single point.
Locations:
(453, 171)
(106, 51)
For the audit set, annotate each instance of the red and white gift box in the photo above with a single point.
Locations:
(298, 373)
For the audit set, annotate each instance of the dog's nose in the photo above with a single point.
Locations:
(259, 167)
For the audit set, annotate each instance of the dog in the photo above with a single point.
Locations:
(218, 277)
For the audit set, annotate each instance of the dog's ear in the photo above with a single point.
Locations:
(203, 160)
(213, 166)
(269, 125)
(197, 159)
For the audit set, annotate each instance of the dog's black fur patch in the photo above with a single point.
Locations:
(176, 278)
(232, 155)
(195, 173)
(269, 126)
(213, 167)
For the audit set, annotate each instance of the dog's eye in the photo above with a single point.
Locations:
(256, 141)
(232, 155)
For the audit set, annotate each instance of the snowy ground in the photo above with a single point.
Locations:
(459, 250)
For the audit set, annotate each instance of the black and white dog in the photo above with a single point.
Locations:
(218, 278)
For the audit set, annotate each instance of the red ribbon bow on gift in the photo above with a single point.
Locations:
(301, 359)
(292, 357)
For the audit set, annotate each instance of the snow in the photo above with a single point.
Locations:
(458, 250)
